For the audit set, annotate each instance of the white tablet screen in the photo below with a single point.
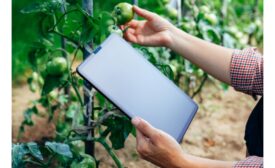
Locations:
(138, 88)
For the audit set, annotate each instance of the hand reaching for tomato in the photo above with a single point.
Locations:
(154, 31)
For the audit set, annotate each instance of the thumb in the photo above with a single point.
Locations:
(144, 127)
(143, 13)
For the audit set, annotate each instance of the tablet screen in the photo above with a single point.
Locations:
(134, 85)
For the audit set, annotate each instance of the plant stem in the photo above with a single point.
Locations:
(61, 17)
(87, 6)
(110, 151)
(201, 85)
(63, 35)
(35, 163)
(77, 93)
(75, 54)
(50, 160)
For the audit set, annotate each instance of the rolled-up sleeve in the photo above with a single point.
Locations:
(250, 162)
(246, 71)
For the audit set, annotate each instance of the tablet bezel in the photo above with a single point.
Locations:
(183, 130)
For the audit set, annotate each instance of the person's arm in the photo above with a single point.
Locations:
(156, 31)
(164, 151)
(210, 57)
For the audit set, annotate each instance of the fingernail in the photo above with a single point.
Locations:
(135, 121)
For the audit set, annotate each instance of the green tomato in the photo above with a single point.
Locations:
(123, 13)
(188, 26)
(53, 95)
(115, 29)
(200, 72)
(40, 81)
(63, 130)
(172, 12)
(211, 18)
(57, 66)
(204, 9)
(35, 76)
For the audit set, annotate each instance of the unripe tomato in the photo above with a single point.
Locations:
(123, 13)
(172, 12)
(200, 72)
(188, 26)
(115, 29)
(53, 95)
(204, 9)
(211, 18)
(35, 76)
(57, 66)
(40, 81)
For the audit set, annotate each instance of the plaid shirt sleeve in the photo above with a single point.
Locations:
(246, 71)
(250, 162)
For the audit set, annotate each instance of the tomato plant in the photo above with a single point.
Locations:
(54, 78)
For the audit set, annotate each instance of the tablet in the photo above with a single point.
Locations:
(138, 88)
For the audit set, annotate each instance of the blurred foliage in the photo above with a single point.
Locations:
(38, 28)
(239, 22)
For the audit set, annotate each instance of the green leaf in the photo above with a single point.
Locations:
(224, 86)
(18, 153)
(166, 70)
(77, 146)
(212, 35)
(134, 132)
(43, 43)
(45, 24)
(63, 99)
(52, 82)
(48, 7)
(91, 29)
(87, 162)
(72, 24)
(34, 150)
(72, 109)
(60, 148)
(120, 127)
(148, 55)
(28, 115)
(101, 99)
(209, 33)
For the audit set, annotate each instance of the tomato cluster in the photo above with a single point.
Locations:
(122, 14)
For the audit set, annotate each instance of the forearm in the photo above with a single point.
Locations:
(212, 58)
